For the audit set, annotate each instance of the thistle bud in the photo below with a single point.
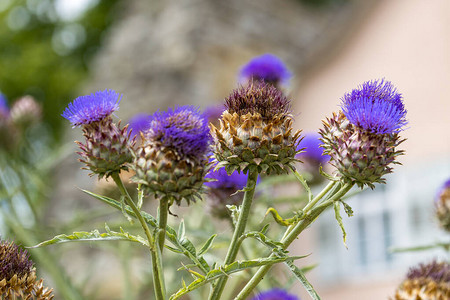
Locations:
(222, 192)
(275, 294)
(17, 275)
(172, 161)
(265, 68)
(362, 139)
(256, 131)
(443, 206)
(26, 111)
(430, 281)
(107, 147)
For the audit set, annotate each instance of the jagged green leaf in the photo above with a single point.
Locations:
(301, 277)
(303, 182)
(337, 214)
(265, 229)
(230, 269)
(207, 245)
(171, 234)
(94, 235)
(348, 209)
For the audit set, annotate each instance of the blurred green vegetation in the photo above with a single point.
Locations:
(46, 54)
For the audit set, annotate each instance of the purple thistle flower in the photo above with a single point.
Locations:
(4, 108)
(275, 294)
(438, 272)
(375, 106)
(183, 130)
(266, 67)
(235, 181)
(92, 108)
(139, 123)
(312, 151)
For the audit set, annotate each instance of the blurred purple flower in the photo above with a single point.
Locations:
(275, 294)
(139, 123)
(267, 67)
(4, 108)
(312, 151)
(235, 181)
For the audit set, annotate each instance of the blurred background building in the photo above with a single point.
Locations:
(161, 53)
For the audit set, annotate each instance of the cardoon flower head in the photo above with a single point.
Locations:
(275, 294)
(172, 160)
(426, 281)
(139, 123)
(18, 276)
(222, 191)
(108, 147)
(92, 108)
(256, 131)
(443, 206)
(376, 107)
(267, 68)
(362, 139)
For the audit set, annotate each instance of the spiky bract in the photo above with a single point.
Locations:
(443, 206)
(17, 275)
(267, 67)
(426, 282)
(256, 131)
(172, 161)
(107, 147)
(92, 108)
(275, 294)
(375, 106)
(360, 156)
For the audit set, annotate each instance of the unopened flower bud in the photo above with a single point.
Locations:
(265, 68)
(362, 140)
(26, 111)
(256, 131)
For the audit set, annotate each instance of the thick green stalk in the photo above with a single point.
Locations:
(162, 221)
(158, 275)
(238, 231)
(291, 236)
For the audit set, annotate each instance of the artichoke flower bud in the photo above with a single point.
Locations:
(430, 281)
(265, 68)
(222, 192)
(18, 276)
(172, 160)
(443, 206)
(26, 111)
(107, 147)
(255, 131)
(362, 139)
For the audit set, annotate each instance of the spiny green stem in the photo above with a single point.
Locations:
(238, 231)
(158, 279)
(291, 236)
